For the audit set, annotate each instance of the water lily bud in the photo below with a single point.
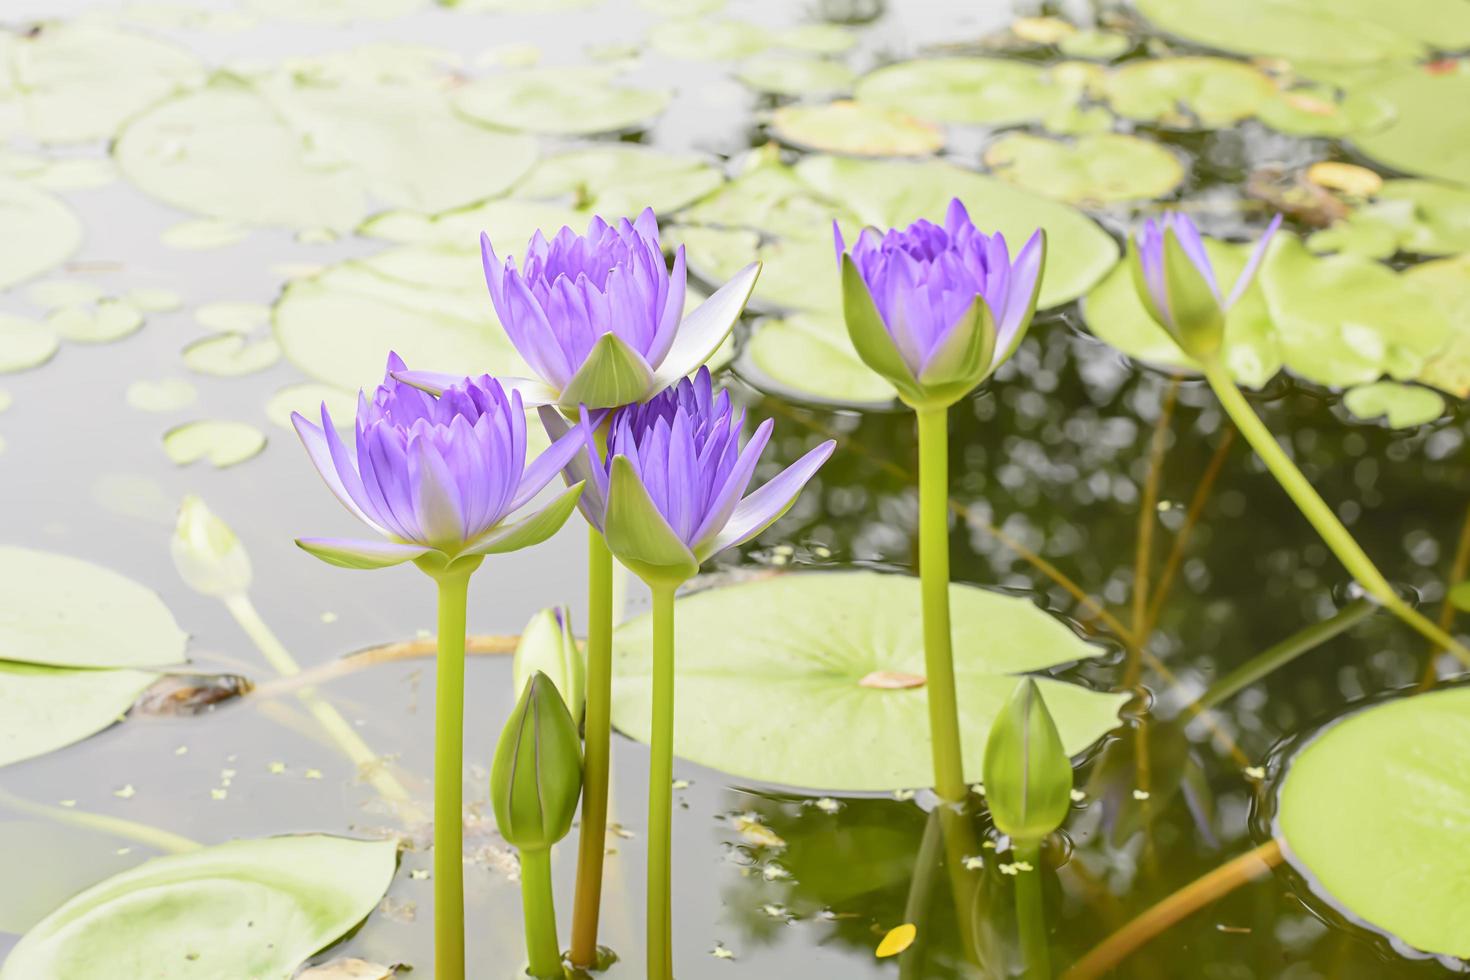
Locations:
(547, 645)
(536, 778)
(1028, 776)
(208, 555)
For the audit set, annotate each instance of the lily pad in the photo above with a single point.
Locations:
(785, 75)
(1371, 811)
(777, 697)
(769, 198)
(231, 354)
(1419, 216)
(1208, 93)
(809, 357)
(43, 709)
(334, 11)
(166, 395)
(64, 612)
(797, 273)
(25, 344)
(1404, 406)
(1095, 44)
(857, 129)
(1323, 110)
(1447, 283)
(569, 101)
(709, 39)
(988, 91)
(109, 320)
(308, 398)
(617, 181)
(1431, 108)
(40, 232)
(1092, 169)
(186, 911)
(222, 442)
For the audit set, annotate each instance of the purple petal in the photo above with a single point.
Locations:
(761, 509)
(1243, 281)
(728, 494)
(546, 466)
(319, 442)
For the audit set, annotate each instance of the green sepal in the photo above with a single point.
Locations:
(963, 360)
(548, 646)
(536, 778)
(1028, 776)
(869, 336)
(638, 534)
(1199, 320)
(613, 374)
(533, 529)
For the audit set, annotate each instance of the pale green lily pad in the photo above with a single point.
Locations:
(53, 294)
(797, 273)
(1186, 92)
(40, 232)
(185, 910)
(165, 395)
(1419, 216)
(109, 320)
(230, 355)
(777, 697)
(6, 400)
(60, 611)
(786, 75)
(570, 101)
(709, 39)
(55, 861)
(809, 357)
(153, 300)
(203, 234)
(334, 11)
(817, 38)
(308, 398)
(222, 442)
(232, 316)
(1431, 110)
(74, 82)
(1322, 110)
(857, 129)
(1404, 406)
(619, 181)
(1355, 31)
(769, 198)
(1095, 44)
(682, 8)
(1371, 811)
(25, 344)
(43, 709)
(1447, 283)
(1091, 169)
(989, 91)
(888, 194)
(510, 223)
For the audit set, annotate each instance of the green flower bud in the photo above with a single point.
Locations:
(536, 778)
(547, 645)
(1028, 776)
(209, 557)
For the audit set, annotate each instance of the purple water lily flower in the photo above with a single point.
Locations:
(670, 492)
(600, 318)
(1175, 279)
(437, 477)
(935, 309)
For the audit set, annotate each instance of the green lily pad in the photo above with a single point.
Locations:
(43, 709)
(1095, 44)
(222, 442)
(786, 75)
(167, 395)
(153, 300)
(1356, 31)
(1431, 109)
(232, 316)
(1419, 216)
(109, 320)
(278, 151)
(1208, 93)
(187, 911)
(25, 344)
(1322, 110)
(51, 294)
(40, 232)
(709, 39)
(55, 861)
(510, 223)
(569, 101)
(230, 355)
(891, 194)
(64, 612)
(1447, 283)
(618, 181)
(1371, 811)
(809, 357)
(856, 129)
(778, 698)
(308, 398)
(797, 273)
(334, 11)
(987, 91)
(1091, 169)
(1404, 406)
(817, 38)
(205, 233)
(769, 198)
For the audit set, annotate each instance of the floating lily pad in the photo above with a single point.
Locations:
(857, 129)
(809, 357)
(1322, 110)
(43, 709)
(25, 344)
(1092, 169)
(40, 232)
(618, 181)
(230, 355)
(797, 274)
(64, 612)
(55, 861)
(1404, 406)
(1419, 216)
(777, 697)
(573, 101)
(153, 300)
(109, 320)
(1371, 811)
(204, 234)
(1447, 283)
(232, 316)
(53, 294)
(1095, 44)
(1431, 109)
(769, 198)
(709, 39)
(223, 443)
(989, 91)
(302, 894)
(1358, 31)
(308, 398)
(786, 75)
(334, 11)
(1187, 92)
(817, 38)
(167, 395)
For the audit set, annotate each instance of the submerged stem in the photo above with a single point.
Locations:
(661, 788)
(944, 720)
(916, 906)
(449, 778)
(1447, 608)
(1148, 515)
(1030, 911)
(543, 951)
(592, 839)
(146, 834)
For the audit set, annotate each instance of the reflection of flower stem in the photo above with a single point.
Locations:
(1447, 607)
(661, 787)
(449, 777)
(916, 908)
(592, 840)
(1030, 913)
(154, 837)
(1315, 509)
(944, 720)
(369, 764)
(543, 951)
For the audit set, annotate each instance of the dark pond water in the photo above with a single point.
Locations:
(1058, 462)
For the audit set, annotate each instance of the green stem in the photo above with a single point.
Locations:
(596, 761)
(449, 777)
(154, 837)
(661, 788)
(1315, 509)
(1285, 652)
(543, 951)
(944, 719)
(1030, 912)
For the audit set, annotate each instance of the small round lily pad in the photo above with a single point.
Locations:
(856, 129)
(1096, 169)
(572, 101)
